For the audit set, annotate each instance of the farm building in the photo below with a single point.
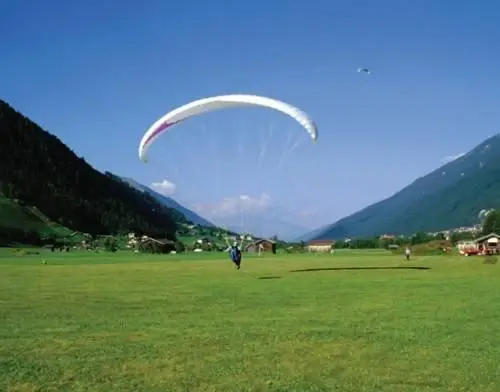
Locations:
(320, 245)
(203, 244)
(203, 240)
(488, 244)
(261, 246)
(156, 245)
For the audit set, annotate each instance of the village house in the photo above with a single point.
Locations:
(132, 241)
(320, 245)
(261, 246)
(156, 245)
(487, 244)
(203, 243)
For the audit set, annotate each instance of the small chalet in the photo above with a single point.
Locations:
(489, 243)
(203, 243)
(320, 245)
(156, 245)
(261, 246)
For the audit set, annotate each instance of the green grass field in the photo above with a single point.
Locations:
(359, 322)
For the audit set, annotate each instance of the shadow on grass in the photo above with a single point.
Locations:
(360, 268)
(269, 277)
(490, 259)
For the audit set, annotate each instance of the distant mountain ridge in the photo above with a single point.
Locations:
(169, 202)
(450, 196)
(265, 225)
(310, 234)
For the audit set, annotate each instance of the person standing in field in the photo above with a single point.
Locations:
(407, 253)
(235, 255)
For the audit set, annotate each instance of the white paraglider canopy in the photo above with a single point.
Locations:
(364, 70)
(204, 105)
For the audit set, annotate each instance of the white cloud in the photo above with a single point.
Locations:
(231, 206)
(450, 158)
(165, 187)
(262, 216)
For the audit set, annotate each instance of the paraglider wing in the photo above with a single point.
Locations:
(221, 102)
(365, 70)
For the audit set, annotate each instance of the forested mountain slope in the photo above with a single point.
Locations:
(450, 196)
(38, 169)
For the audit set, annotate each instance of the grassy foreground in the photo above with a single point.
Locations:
(87, 322)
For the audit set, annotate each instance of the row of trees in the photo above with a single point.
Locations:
(9, 235)
(491, 223)
(402, 241)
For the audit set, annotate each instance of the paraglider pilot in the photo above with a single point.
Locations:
(235, 255)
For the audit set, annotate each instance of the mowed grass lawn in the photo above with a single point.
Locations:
(123, 322)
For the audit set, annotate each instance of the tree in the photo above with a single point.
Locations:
(179, 247)
(363, 243)
(421, 238)
(206, 246)
(110, 244)
(491, 223)
(459, 236)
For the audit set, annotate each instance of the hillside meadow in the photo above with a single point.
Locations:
(355, 321)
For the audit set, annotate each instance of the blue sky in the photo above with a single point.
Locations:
(98, 73)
